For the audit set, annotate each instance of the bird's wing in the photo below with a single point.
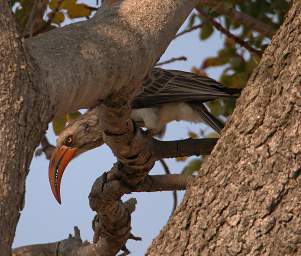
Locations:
(166, 86)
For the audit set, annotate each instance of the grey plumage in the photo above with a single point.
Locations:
(170, 86)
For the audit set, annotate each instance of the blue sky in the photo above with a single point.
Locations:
(43, 220)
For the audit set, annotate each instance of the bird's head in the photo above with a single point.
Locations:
(80, 135)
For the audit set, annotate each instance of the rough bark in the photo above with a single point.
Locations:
(246, 200)
(85, 61)
(24, 115)
(115, 48)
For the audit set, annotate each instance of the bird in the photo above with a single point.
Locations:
(165, 96)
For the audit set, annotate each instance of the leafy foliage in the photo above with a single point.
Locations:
(236, 61)
(192, 167)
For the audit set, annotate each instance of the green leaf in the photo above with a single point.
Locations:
(53, 4)
(58, 18)
(237, 63)
(68, 4)
(78, 11)
(206, 31)
(215, 107)
(192, 20)
(192, 135)
(72, 116)
(181, 158)
(212, 135)
(193, 166)
(58, 124)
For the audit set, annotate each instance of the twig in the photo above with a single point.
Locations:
(220, 28)
(174, 193)
(189, 30)
(240, 17)
(182, 58)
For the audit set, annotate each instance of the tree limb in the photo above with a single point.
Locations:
(187, 147)
(161, 149)
(64, 247)
(237, 39)
(169, 182)
(183, 58)
(122, 41)
(72, 244)
(240, 17)
(133, 149)
(67, 69)
(189, 30)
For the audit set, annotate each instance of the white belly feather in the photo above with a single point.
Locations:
(156, 118)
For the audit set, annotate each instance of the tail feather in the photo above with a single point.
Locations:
(207, 117)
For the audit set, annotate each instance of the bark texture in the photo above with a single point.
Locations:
(24, 115)
(246, 200)
(87, 61)
(73, 67)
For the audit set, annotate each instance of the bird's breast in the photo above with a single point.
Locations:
(156, 118)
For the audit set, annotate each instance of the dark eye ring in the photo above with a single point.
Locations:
(69, 141)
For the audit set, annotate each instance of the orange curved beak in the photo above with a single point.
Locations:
(59, 161)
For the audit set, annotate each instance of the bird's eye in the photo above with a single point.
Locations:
(69, 141)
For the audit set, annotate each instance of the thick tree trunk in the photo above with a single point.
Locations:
(246, 200)
(24, 115)
(84, 62)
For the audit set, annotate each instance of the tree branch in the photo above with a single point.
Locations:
(178, 148)
(64, 247)
(248, 21)
(238, 40)
(183, 58)
(189, 30)
(74, 67)
(72, 244)
(85, 56)
(134, 150)
(169, 182)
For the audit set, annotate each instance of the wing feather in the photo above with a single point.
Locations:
(166, 86)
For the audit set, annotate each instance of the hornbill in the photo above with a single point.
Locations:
(166, 95)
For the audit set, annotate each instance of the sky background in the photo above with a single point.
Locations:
(43, 220)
